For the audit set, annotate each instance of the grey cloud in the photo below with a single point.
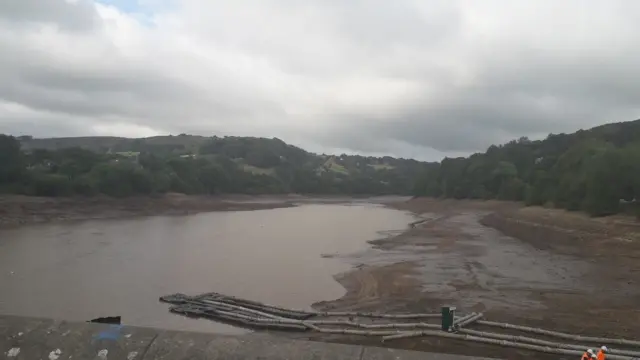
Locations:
(479, 84)
(42, 124)
(611, 79)
(38, 127)
(76, 15)
(31, 78)
(380, 25)
(522, 94)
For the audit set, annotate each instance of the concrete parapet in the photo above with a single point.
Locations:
(32, 338)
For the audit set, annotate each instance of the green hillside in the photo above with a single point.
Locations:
(596, 170)
(194, 165)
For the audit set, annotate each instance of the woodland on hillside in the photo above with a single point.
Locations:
(188, 164)
(595, 170)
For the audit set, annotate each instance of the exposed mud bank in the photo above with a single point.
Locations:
(529, 266)
(23, 210)
(18, 210)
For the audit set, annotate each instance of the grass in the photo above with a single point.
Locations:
(258, 171)
(332, 165)
(382, 167)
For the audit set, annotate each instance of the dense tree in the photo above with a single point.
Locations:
(193, 165)
(594, 170)
(121, 179)
(11, 160)
(213, 178)
(50, 185)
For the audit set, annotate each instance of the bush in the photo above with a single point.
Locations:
(122, 179)
(51, 185)
(84, 185)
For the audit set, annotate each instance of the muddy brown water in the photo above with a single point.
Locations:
(83, 270)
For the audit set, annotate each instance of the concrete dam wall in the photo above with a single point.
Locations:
(33, 338)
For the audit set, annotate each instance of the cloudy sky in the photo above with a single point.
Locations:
(411, 78)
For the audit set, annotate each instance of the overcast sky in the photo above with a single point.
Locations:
(411, 78)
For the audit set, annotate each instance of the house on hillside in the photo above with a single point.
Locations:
(130, 156)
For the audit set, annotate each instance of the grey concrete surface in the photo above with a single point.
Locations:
(31, 338)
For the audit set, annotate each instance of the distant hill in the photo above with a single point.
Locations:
(596, 170)
(116, 144)
(243, 164)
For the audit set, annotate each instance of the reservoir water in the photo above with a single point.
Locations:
(82, 270)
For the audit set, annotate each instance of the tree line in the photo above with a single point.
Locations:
(215, 166)
(596, 170)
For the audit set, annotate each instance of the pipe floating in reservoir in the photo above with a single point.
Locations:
(256, 315)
